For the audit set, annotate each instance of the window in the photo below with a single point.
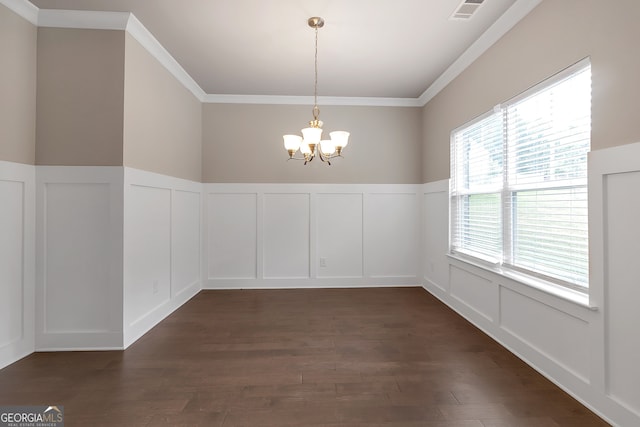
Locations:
(518, 189)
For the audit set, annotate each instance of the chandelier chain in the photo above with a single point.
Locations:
(316, 110)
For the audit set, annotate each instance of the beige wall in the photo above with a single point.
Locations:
(80, 96)
(553, 36)
(18, 43)
(243, 143)
(162, 119)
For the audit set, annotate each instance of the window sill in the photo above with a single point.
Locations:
(550, 288)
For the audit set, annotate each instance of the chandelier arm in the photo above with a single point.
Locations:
(320, 154)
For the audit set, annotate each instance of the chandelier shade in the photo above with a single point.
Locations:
(292, 143)
(311, 136)
(310, 144)
(327, 147)
(340, 138)
(305, 148)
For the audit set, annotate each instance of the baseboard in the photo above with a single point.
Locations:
(7, 358)
(317, 283)
(144, 324)
(79, 341)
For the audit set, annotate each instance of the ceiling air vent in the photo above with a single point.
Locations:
(466, 9)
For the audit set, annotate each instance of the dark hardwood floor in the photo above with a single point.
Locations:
(317, 357)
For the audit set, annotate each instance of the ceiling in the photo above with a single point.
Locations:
(367, 48)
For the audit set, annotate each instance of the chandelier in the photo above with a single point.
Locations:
(311, 144)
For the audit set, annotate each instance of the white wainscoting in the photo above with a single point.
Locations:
(475, 291)
(162, 248)
(436, 234)
(392, 242)
(615, 271)
(339, 234)
(79, 258)
(622, 295)
(311, 235)
(286, 236)
(232, 219)
(186, 241)
(592, 353)
(567, 346)
(17, 261)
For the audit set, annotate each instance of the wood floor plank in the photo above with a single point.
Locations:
(316, 357)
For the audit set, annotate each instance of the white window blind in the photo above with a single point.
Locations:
(477, 156)
(519, 181)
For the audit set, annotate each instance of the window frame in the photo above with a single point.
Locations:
(505, 264)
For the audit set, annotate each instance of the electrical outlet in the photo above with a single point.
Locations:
(323, 262)
(155, 287)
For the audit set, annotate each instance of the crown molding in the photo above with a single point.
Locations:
(308, 100)
(122, 21)
(83, 19)
(507, 21)
(139, 32)
(125, 21)
(22, 8)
